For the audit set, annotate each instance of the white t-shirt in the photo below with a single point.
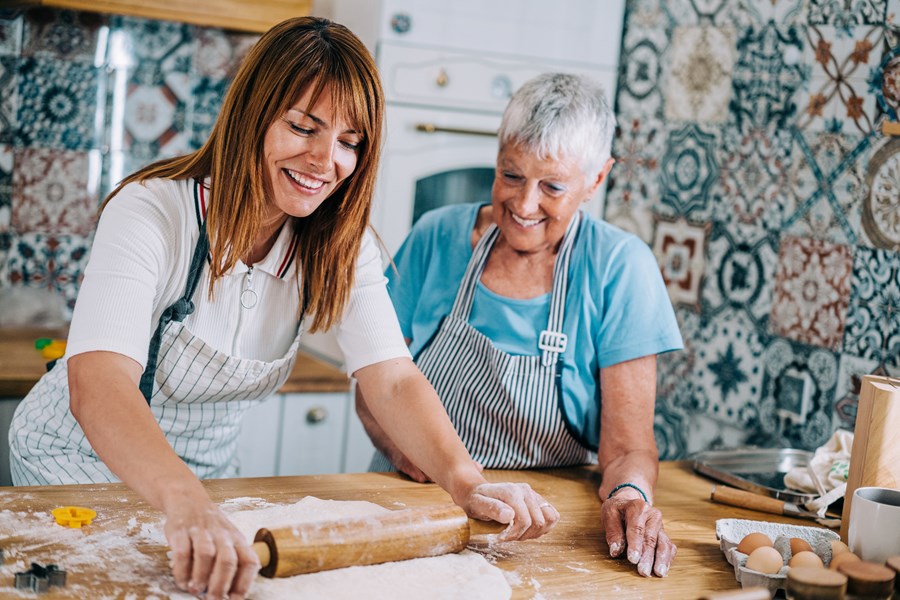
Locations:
(139, 265)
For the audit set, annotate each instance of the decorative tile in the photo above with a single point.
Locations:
(10, 34)
(699, 87)
(707, 433)
(753, 172)
(634, 180)
(884, 81)
(778, 11)
(639, 92)
(837, 96)
(689, 171)
(674, 388)
(54, 262)
(218, 54)
(117, 166)
(798, 396)
(740, 274)
(61, 108)
(826, 185)
(850, 373)
(691, 12)
(680, 248)
(873, 322)
(728, 368)
(6, 177)
(881, 207)
(154, 122)
(812, 290)
(64, 34)
(8, 98)
(766, 75)
(843, 13)
(55, 191)
(669, 429)
(207, 100)
(165, 43)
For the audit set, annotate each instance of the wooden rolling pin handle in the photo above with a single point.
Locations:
(742, 499)
(479, 527)
(263, 553)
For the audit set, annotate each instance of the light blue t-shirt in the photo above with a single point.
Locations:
(617, 307)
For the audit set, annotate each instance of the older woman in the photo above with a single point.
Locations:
(539, 325)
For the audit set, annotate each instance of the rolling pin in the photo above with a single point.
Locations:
(397, 535)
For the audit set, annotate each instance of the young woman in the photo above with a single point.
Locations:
(204, 273)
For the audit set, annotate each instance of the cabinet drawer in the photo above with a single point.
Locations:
(313, 429)
(462, 80)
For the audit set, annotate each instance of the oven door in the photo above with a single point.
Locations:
(432, 158)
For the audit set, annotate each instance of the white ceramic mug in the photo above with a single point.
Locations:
(874, 531)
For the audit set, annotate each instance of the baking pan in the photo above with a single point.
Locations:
(756, 470)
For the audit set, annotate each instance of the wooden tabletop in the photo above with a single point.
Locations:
(21, 365)
(570, 562)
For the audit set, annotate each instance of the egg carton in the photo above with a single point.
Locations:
(730, 532)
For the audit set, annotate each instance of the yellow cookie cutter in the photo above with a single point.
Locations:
(49, 348)
(73, 516)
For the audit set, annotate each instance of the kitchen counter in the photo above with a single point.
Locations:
(21, 366)
(570, 562)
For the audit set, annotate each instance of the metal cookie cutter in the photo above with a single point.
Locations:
(40, 579)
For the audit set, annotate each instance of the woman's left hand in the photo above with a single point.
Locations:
(526, 512)
(635, 526)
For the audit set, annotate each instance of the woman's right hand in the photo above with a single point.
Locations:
(526, 512)
(208, 552)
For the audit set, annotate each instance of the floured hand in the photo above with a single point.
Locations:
(527, 513)
(209, 554)
(636, 527)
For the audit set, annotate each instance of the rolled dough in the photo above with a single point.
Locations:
(466, 575)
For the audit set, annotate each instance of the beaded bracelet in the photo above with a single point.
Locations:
(631, 485)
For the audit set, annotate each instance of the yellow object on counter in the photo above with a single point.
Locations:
(50, 349)
(73, 516)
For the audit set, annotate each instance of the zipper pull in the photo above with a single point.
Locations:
(249, 297)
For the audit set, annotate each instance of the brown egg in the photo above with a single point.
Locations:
(838, 547)
(799, 545)
(842, 558)
(752, 541)
(765, 559)
(806, 558)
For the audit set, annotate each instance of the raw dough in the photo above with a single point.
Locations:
(465, 575)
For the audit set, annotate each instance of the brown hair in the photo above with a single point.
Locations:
(294, 56)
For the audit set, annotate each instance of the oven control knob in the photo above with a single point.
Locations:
(401, 23)
(501, 87)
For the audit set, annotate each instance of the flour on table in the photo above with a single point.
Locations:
(466, 575)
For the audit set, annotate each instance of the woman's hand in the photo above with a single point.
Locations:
(635, 527)
(209, 553)
(527, 513)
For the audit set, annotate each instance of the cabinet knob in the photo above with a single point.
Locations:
(442, 79)
(316, 415)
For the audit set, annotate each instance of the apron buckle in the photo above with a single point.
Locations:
(551, 343)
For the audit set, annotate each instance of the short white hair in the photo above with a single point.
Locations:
(560, 114)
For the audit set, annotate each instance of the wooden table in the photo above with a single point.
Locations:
(21, 366)
(570, 562)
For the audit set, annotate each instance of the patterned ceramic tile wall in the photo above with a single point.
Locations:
(86, 99)
(751, 159)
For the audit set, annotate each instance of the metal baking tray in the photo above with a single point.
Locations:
(756, 470)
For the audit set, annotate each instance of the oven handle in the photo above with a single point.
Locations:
(432, 128)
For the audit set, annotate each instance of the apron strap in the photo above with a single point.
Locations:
(552, 341)
(176, 312)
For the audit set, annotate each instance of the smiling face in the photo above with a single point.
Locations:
(308, 153)
(533, 199)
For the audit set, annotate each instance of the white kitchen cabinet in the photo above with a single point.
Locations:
(303, 434)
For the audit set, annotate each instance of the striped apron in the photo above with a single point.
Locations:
(198, 395)
(507, 409)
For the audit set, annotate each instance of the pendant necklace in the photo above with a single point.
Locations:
(249, 296)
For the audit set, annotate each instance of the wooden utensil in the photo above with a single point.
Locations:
(744, 499)
(397, 535)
